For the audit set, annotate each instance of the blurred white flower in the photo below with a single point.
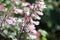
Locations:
(19, 20)
(32, 36)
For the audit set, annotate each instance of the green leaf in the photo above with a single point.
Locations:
(11, 36)
(1, 1)
(7, 2)
(43, 32)
(14, 33)
(18, 0)
(17, 28)
(7, 25)
(44, 38)
(5, 32)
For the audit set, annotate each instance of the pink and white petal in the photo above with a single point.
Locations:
(37, 17)
(36, 22)
(31, 26)
(39, 13)
(32, 6)
(9, 21)
(35, 32)
(41, 3)
(18, 10)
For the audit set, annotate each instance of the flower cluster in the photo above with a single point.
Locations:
(30, 12)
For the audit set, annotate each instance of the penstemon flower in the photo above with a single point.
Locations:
(29, 12)
(9, 21)
(39, 13)
(31, 27)
(18, 11)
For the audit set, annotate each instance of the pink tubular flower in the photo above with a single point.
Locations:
(25, 4)
(39, 13)
(35, 32)
(34, 22)
(35, 16)
(31, 26)
(42, 7)
(14, 19)
(18, 10)
(42, 3)
(9, 21)
(34, 35)
(32, 6)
